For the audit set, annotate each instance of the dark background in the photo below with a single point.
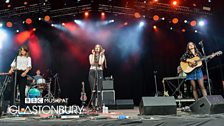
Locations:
(134, 74)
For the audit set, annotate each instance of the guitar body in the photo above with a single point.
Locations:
(189, 67)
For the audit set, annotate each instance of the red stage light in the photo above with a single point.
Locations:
(102, 14)
(137, 15)
(193, 23)
(155, 17)
(175, 20)
(47, 18)
(28, 21)
(9, 24)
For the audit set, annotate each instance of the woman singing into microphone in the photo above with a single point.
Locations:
(96, 60)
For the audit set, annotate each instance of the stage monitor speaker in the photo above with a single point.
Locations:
(211, 104)
(124, 103)
(158, 106)
(108, 97)
(108, 84)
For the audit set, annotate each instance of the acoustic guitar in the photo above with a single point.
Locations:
(189, 67)
(83, 97)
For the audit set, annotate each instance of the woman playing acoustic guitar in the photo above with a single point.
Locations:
(196, 74)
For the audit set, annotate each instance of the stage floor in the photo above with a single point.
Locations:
(110, 119)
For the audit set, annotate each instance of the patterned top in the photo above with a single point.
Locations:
(189, 55)
(22, 63)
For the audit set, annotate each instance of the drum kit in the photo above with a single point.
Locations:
(38, 88)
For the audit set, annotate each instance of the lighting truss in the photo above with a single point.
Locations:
(167, 8)
(154, 8)
(17, 11)
(70, 11)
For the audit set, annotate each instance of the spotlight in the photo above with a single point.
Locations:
(154, 27)
(163, 18)
(1, 25)
(175, 20)
(141, 24)
(193, 23)
(28, 21)
(86, 14)
(195, 31)
(9, 24)
(171, 28)
(47, 18)
(185, 21)
(155, 17)
(17, 31)
(174, 3)
(201, 23)
(7, 1)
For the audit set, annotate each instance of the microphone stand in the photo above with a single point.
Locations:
(206, 67)
(155, 72)
(15, 80)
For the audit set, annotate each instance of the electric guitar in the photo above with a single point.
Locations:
(83, 97)
(189, 67)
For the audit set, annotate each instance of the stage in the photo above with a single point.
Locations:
(106, 119)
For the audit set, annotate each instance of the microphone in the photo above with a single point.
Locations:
(201, 42)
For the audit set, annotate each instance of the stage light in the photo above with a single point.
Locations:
(3, 36)
(9, 5)
(28, 21)
(7, 1)
(155, 17)
(163, 18)
(185, 21)
(174, 3)
(155, 0)
(25, 3)
(154, 27)
(141, 24)
(193, 23)
(47, 18)
(137, 15)
(63, 24)
(125, 23)
(175, 20)
(17, 31)
(183, 30)
(111, 21)
(201, 23)
(102, 15)
(171, 28)
(86, 14)
(34, 29)
(39, 19)
(195, 31)
(9, 24)
(1, 25)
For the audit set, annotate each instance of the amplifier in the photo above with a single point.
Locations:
(108, 84)
(108, 97)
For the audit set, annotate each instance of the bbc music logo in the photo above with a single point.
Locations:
(45, 100)
(34, 100)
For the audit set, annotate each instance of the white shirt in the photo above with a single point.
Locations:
(23, 63)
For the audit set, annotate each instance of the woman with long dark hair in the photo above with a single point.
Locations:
(22, 65)
(196, 74)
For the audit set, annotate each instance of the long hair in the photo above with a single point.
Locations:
(195, 48)
(101, 49)
(26, 49)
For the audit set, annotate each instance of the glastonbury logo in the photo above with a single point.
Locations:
(44, 106)
(46, 109)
